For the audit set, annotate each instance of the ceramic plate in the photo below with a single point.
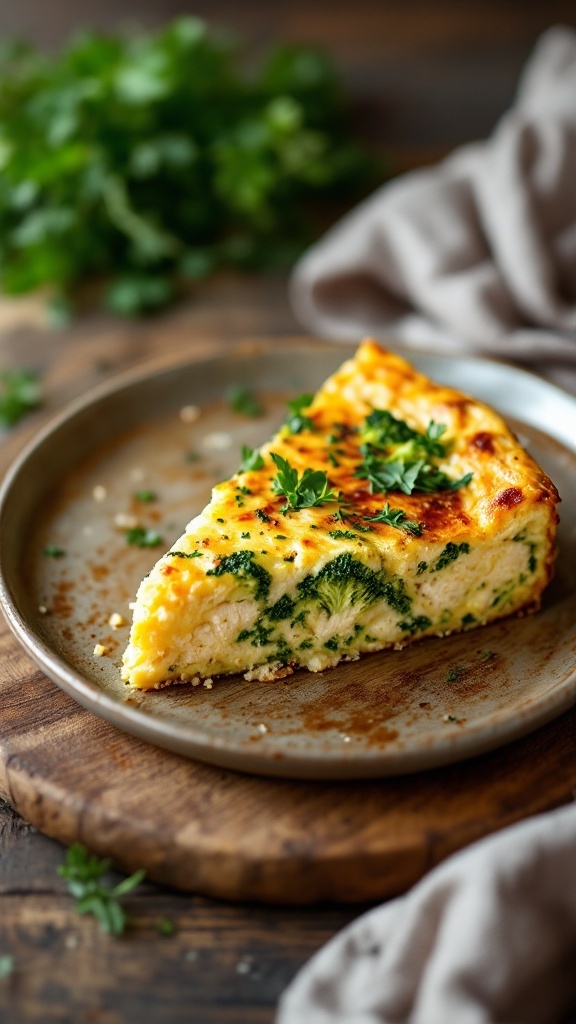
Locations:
(435, 702)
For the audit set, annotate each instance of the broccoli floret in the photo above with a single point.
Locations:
(347, 582)
(242, 565)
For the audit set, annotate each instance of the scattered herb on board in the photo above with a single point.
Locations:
(6, 966)
(165, 926)
(83, 873)
(244, 401)
(456, 673)
(146, 496)
(19, 393)
(169, 156)
(52, 551)
(306, 491)
(143, 537)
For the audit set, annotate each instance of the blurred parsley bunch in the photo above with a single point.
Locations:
(150, 160)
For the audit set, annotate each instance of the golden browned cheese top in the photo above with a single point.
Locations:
(477, 441)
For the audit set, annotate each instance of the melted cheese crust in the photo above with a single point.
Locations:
(486, 549)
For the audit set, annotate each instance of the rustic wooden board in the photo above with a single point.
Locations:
(216, 832)
(245, 838)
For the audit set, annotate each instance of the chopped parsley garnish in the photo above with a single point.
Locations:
(242, 565)
(283, 609)
(182, 554)
(422, 566)
(220, 520)
(332, 643)
(398, 458)
(245, 536)
(399, 475)
(19, 394)
(383, 431)
(145, 496)
(280, 536)
(244, 401)
(456, 673)
(251, 460)
(52, 551)
(396, 517)
(143, 537)
(450, 553)
(343, 535)
(414, 625)
(165, 926)
(295, 421)
(332, 459)
(306, 491)
(262, 516)
(83, 873)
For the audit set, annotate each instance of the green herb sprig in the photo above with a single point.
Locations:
(153, 159)
(83, 872)
(143, 537)
(396, 517)
(306, 491)
(296, 421)
(244, 401)
(251, 460)
(19, 394)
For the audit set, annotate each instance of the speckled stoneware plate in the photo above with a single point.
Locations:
(390, 712)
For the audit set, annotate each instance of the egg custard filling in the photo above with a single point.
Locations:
(386, 509)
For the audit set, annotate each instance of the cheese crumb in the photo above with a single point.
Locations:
(100, 650)
(99, 493)
(208, 684)
(116, 620)
(42, 609)
(189, 413)
(125, 521)
(217, 441)
(262, 728)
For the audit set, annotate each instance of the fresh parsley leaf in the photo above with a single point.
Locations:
(19, 394)
(251, 460)
(83, 872)
(295, 421)
(154, 159)
(52, 551)
(306, 491)
(145, 496)
(406, 476)
(389, 476)
(396, 517)
(165, 926)
(6, 966)
(244, 401)
(143, 537)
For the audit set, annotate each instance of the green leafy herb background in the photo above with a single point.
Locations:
(149, 160)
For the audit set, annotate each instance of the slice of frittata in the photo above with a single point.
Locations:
(386, 509)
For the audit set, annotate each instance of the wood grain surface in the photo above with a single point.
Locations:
(424, 77)
(231, 835)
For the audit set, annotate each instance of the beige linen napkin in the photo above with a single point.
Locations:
(489, 937)
(477, 253)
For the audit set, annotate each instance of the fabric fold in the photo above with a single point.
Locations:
(477, 253)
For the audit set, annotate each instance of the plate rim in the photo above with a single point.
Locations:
(442, 748)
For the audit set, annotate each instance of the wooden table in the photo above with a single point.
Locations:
(424, 77)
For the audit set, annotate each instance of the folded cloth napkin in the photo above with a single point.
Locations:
(489, 937)
(477, 253)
